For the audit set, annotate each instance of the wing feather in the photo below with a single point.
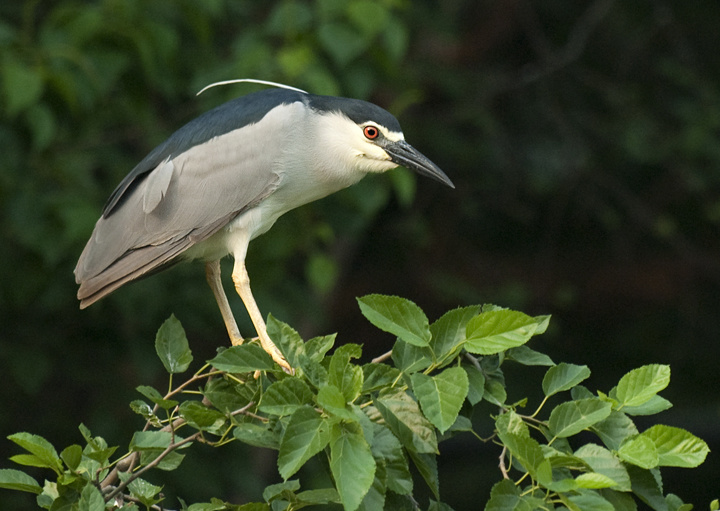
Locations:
(193, 195)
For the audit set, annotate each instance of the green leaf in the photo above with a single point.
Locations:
(226, 396)
(647, 485)
(594, 481)
(655, 404)
(12, 479)
(245, 358)
(570, 418)
(351, 463)
(398, 316)
(45, 454)
(640, 385)
(317, 347)
(677, 447)
(91, 499)
(143, 440)
(527, 356)
(498, 330)
(280, 490)
(259, 436)
(72, 456)
(155, 396)
(640, 451)
(615, 429)
(201, 417)
(145, 492)
(441, 396)
(318, 497)
(315, 372)
(285, 396)
(476, 384)
(386, 447)
(515, 436)
(409, 358)
(347, 377)
(287, 340)
(172, 347)
(426, 464)
(587, 500)
(495, 392)
(306, 434)
(169, 462)
(563, 377)
(378, 376)
(505, 496)
(448, 332)
(332, 401)
(402, 415)
(604, 462)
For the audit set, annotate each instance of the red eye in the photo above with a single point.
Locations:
(371, 132)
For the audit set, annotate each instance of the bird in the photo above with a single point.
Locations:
(225, 177)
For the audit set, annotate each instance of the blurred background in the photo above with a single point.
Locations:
(582, 137)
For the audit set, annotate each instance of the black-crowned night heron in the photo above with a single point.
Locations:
(225, 177)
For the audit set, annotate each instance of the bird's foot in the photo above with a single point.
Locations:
(272, 350)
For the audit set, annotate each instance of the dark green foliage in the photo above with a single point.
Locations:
(372, 422)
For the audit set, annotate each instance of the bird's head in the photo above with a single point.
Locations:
(368, 138)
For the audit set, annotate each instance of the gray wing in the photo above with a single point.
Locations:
(185, 199)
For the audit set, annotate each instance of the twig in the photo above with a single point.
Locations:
(503, 470)
(382, 358)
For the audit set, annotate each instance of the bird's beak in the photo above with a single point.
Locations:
(405, 155)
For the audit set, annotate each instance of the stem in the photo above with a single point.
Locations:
(503, 469)
(382, 358)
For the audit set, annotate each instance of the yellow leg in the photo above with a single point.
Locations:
(242, 286)
(212, 273)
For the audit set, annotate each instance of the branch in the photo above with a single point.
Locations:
(503, 470)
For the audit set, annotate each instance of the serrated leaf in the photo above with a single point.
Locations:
(143, 440)
(12, 479)
(570, 418)
(676, 447)
(402, 415)
(409, 358)
(259, 436)
(426, 464)
(344, 375)
(91, 499)
(525, 449)
(647, 485)
(352, 464)
(287, 340)
(594, 481)
(505, 496)
(40, 448)
(448, 332)
(476, 384)
(498, 330)
(200, 416)
(72, 456)
(615, 429)
(604, 462)
(279, 490)
(171, 345)
(317, 347)
(398, 316)
(307, 433)
(441, 396)
(386, 447)
(640, 451)
(245, 358)
(655, 404)
(170, 461)
(285, 396)
(495, 392)
(330, 399)
(640, 385)
(563, 377)
(528, 356)
(155, 396)
(378, 376)
(587, 500)
(226, 396)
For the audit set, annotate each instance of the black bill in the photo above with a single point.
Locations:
(407, 156)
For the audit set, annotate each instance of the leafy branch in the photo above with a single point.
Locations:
(372, 422)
